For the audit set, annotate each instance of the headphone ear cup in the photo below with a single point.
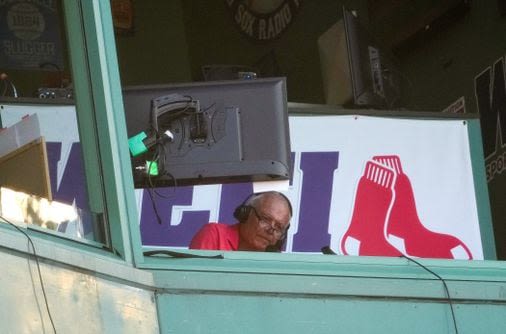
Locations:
(241, 213)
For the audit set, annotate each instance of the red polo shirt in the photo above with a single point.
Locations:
(216, 236)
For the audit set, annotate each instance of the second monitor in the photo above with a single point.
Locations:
(208, 132)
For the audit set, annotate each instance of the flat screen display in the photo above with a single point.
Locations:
(209, 132)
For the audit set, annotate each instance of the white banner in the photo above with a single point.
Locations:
(362, 185)
(439, 211)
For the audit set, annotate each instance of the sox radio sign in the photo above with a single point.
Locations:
(263, 20)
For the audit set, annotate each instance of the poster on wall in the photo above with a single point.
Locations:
(361, 185)
(30, 35)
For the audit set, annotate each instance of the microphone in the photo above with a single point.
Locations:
(328, 251)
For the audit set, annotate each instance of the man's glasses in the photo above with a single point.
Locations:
(268, 223)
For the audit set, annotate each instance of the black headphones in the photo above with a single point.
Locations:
(241, 213)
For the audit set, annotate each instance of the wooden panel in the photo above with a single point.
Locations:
(26, 169)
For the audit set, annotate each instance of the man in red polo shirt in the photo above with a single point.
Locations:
(263, 220)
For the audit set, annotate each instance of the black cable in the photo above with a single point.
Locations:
(189, 100)
(160, 154)
(181, 255)
(209, 107)
(38, 269)
(160, 148)
(154, 159)
(153, 204)
(157, 193)
(151, 189)
(168, 116)
(163, 170)
(445, 287)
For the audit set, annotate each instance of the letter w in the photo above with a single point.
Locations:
(490, 91)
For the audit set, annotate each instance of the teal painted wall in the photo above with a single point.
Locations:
(222, 313)
(95, 292)
(86, 293)
(90, 292)
(327, 294)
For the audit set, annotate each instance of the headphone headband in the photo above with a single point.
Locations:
(241, 213)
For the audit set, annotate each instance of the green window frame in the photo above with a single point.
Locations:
(99, 101)
(101, 124)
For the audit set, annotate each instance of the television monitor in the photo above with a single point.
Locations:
(208, 132)
(356, 70)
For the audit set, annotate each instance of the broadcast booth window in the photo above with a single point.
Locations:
(54, 147)
(204, 137)
(52, 177)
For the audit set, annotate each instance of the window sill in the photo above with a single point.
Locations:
(315, 274)
(63, 252)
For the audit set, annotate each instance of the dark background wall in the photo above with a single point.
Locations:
(156, 50)
(172, 40)
(209, 36)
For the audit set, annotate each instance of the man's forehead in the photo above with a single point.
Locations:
(275, 206)
(272, 199)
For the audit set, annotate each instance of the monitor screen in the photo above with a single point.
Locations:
(208, 132)
(356, 70)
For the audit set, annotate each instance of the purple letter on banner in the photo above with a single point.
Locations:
(233, 195)
(156, 229)
(318, 169)
(72, 187)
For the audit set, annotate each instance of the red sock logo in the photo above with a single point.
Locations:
(366, 234)
(385, 221)
(406, 231)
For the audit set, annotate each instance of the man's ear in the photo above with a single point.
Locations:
(241, 213)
